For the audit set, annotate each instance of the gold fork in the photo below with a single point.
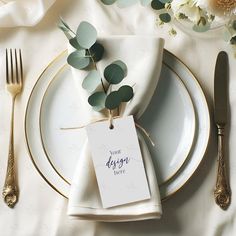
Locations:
(14, 83)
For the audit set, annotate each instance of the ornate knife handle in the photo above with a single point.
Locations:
(222, 191)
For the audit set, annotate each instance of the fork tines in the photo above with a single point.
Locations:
(14, 68)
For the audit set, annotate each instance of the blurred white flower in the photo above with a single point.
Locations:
(187, 8)
(195, 9)
(221, 8)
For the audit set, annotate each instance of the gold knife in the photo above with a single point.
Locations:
(222, 191)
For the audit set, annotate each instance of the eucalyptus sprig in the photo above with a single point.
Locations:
(164, 17)
(203, 24)
(85, 56)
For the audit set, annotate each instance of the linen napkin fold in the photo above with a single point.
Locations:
(143, 57)
(23, 12)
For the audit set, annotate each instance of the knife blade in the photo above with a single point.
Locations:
(222, 191)
(221, 89)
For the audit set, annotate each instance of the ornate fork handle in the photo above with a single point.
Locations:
(10, 189)
(222, 191)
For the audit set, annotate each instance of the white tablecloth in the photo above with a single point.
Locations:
(41, 210)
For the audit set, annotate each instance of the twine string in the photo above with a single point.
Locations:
(111, 126)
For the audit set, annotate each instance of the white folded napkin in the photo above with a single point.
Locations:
(23, 12)
(143, 57)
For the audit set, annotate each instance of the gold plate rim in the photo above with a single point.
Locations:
(25, 120)
(209, 122)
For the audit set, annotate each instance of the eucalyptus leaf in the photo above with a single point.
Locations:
(126, 93)
(165, 17)
(145, 2)
(125, 3)
(233, 40)
(157, 5)
(108, 2)
(97, 51)
(114, 74)
(74, 43)
(64, 23)
(78, 60)
(91, 81)
(86, 35)
(66, 32)
(65, 28)
(165, 1)
(97, 100)
(227, 35)
(201, 28)
(122, 65)
(113, 100)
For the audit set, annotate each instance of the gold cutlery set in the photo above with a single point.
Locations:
(14, 85)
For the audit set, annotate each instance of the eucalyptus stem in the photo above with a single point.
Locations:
(103, 86)
(72, 31)
(95, 66)
(118, 110)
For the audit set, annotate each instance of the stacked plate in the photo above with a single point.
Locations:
(177, 120)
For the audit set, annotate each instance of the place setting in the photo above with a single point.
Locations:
(117, 124)
(177, 117)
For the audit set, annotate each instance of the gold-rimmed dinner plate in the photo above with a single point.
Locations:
(54, 103)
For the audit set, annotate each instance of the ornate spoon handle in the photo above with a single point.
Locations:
(222, 191)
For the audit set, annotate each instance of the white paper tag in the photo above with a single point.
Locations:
(118, 162)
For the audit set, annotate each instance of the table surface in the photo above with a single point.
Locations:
(41, 210)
